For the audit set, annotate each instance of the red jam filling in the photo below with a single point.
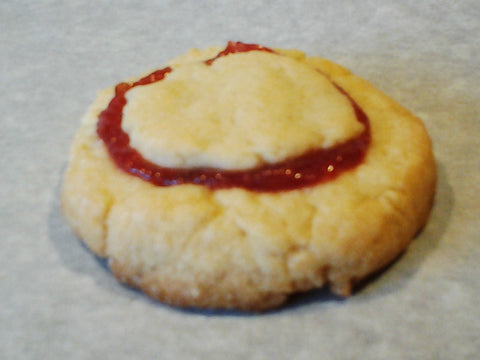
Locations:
(310, 168)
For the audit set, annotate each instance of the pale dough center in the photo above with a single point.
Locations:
(244, 110)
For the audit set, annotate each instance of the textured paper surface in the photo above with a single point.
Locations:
(58, 302)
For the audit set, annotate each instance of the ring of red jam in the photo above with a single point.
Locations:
(313, 167)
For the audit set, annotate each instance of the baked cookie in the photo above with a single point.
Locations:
(234, 177)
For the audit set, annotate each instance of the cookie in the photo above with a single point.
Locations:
(234, 177)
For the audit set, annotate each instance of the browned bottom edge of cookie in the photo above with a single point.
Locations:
(241, 298)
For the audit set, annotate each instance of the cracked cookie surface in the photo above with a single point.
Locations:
(188, 245)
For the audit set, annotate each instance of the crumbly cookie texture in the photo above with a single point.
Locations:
(238, 112)
(188, 245)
